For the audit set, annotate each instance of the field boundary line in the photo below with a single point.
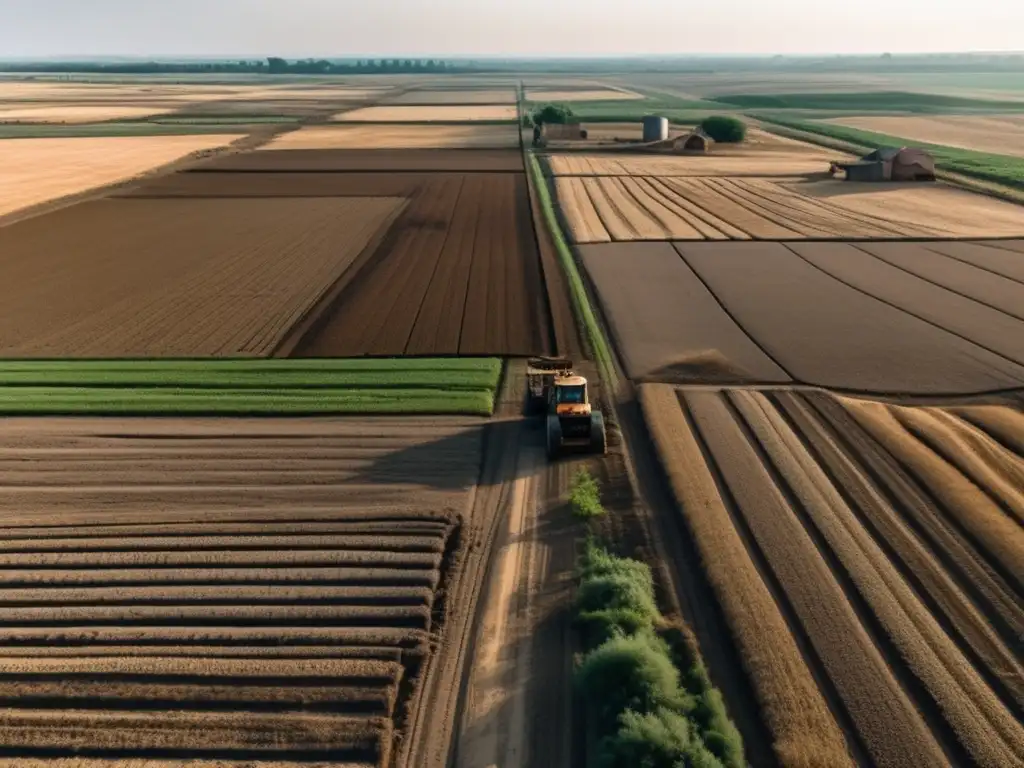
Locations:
(976, 266)
(940, 285)
(577, 287)
(904, 309)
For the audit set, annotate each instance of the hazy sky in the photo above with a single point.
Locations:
(503, 27)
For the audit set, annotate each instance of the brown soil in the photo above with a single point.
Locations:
(665, 321)
(176, 277)
(916, 592)
(390, 160)
(824, 332)
(458, 273)
(300, 657)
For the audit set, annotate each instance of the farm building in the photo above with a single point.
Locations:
(696, 141)
(891, 164)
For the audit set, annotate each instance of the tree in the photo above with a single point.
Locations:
(555, 114)
(724, 129)
(277, 65)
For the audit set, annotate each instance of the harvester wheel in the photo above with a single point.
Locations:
(554, 438)
(598, 436)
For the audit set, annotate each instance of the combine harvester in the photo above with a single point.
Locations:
(572, 422)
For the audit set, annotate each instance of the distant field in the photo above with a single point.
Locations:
(998, 134)
(455, 96)
(398, 137)
(898, 101)
(591, 94)
(1002, 169)
(38, 170)
(428, 114)
(233, 387)
(60, 113)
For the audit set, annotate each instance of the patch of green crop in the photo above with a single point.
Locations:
(585, 496)
(249, 387)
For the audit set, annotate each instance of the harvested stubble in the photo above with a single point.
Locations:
(38, 170)
(368, 652)
(984, 728)
(804, 730)
(76, 113)
(891, 729)
(426, 96)
(178, 668)
(247, 272)
(160, 559)
(904, 432)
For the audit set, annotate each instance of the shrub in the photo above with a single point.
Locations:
(629, 673)
(724, 129)
(661, 739)
(585, 496)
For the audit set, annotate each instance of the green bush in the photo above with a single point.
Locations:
(661, 739)
(631, 673)
(725, 129)
(585, 496)
(553, 113)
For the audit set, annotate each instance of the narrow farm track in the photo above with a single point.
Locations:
(888, 539)
(159, 575)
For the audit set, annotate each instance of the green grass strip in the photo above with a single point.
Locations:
(581, 301)
(1001, 169)
(253, 387)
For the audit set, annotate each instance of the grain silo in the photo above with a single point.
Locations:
(655, 128)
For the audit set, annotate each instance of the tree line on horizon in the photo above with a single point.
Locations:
(273, 65)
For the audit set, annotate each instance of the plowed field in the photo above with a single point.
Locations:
(921, 318)
(117, 278)
(459, 273)
(223, 590)
(868, 560)
(621, 208)
(393, 160)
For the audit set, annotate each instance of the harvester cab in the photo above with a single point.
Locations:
(572, 422)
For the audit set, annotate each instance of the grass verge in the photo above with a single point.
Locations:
(581, 301)
(1001, 169)
(249, 387)
(640, 709)
(585, 496)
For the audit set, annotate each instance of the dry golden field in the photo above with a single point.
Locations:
(398, 137)
(59, 113)
(586, 94)
(437, 113)
(38, 170)
(999, 134)
(890, 538)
